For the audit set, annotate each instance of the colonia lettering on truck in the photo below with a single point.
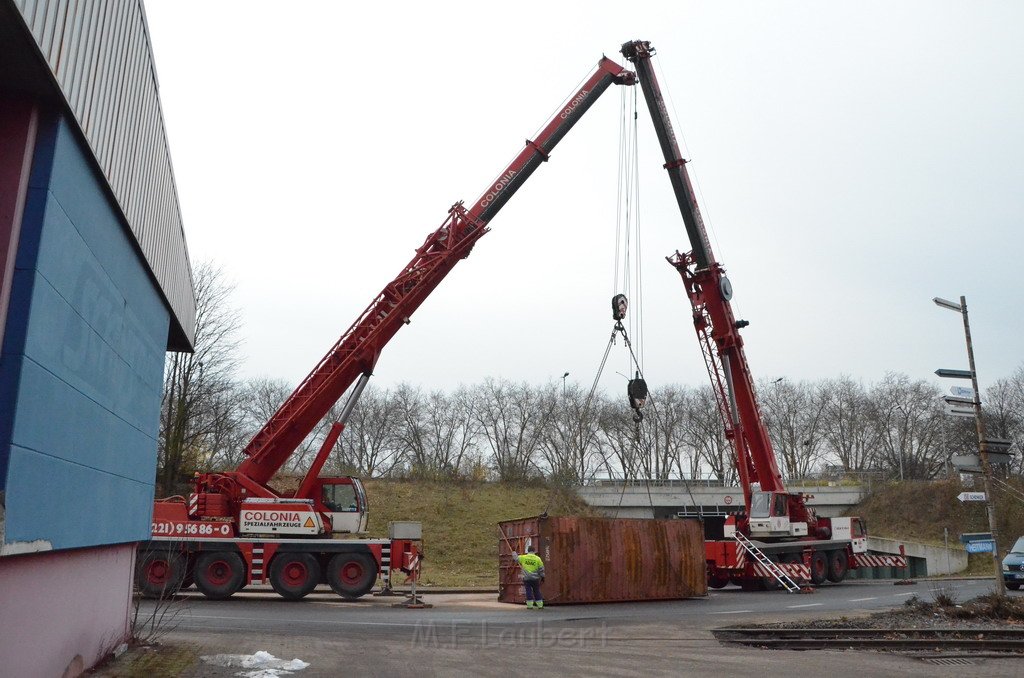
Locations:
(272, 517)
(264, 544)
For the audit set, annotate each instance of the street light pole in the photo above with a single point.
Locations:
(979, 423)
(563, 384)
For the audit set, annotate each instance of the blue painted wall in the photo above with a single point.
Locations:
(81, 366)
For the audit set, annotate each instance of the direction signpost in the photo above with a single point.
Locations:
(971, 496)
(978, 542)
(985, 444)
(980, 546)
(962, 392)
(954, 374)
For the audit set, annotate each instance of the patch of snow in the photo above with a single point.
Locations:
(265, 664)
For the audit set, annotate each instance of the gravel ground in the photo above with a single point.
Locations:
(984, 612)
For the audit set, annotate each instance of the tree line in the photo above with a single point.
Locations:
(895, 428)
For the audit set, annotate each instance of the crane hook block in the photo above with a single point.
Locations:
(637, 390)
(619, 306)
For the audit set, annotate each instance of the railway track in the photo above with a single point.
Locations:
(935, 639)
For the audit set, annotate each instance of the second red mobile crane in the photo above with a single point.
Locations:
(777, 537)
(235, 529)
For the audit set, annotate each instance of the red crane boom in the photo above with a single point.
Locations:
(358, 349)
(709, 292)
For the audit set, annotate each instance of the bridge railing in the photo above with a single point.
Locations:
(692, 482)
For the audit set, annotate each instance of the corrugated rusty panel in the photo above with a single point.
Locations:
(100, 56)
(599, 560)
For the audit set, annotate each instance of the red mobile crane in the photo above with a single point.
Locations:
(236, 529)
(777, 537)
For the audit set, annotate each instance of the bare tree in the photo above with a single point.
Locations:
(847, 425)
(705, 432)
(624, 444)
(793, 413)
(571, 443)
(195, 409)
(370, 445)
(664, 424)
(437, 431)
(454, 430)
(1004, 409)
(907, 418)
(512, 419)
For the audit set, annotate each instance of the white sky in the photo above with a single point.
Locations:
(854, 160)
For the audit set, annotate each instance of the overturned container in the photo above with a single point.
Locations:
(601, 560)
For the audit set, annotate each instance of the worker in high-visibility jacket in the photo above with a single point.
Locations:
(533, 576)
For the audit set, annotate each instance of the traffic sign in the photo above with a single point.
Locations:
(966, 463)
(945, 303)
(962, 392)
(971, 496)
(955, 401)
(996, 445)
(968, 537)
(959, 412)
(980, 546)
(971, 463)
(955, 374)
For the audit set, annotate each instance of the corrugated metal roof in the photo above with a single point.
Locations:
(101, 59)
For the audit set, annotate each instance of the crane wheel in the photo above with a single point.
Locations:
(838, 566)
(718, 582)
(219, 574)
(819, 567)
(352, 575)
(293, 575)
(159, 573)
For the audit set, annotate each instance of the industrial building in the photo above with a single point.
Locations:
(96, 288)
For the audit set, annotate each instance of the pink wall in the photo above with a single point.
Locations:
(61, 607)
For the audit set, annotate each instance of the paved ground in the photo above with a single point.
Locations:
(473, 635)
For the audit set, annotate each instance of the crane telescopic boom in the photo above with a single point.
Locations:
(709, 292)
(358, 349)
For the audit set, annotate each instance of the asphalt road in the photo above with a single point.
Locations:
(473, 635)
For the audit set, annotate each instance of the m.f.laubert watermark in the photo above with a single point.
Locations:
(461, 634)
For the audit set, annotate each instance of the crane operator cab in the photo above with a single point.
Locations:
(769, 516)
(344, 502)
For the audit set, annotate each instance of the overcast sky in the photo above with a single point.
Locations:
(854, 160)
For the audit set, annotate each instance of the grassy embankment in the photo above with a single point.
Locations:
(461, 537)
(918, 511)
(460, 522)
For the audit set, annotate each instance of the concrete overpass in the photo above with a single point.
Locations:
(667, 498)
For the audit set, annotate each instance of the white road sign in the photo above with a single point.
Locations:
(971, 496)
(962, 392)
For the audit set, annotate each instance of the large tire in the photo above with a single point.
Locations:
(352, 575)
(294, 575)
(159, 573)
(819, 567)
(219, 574)
(838, 566)
(1013, 586)
(718, 582)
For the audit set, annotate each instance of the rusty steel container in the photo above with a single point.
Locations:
(601, 560)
